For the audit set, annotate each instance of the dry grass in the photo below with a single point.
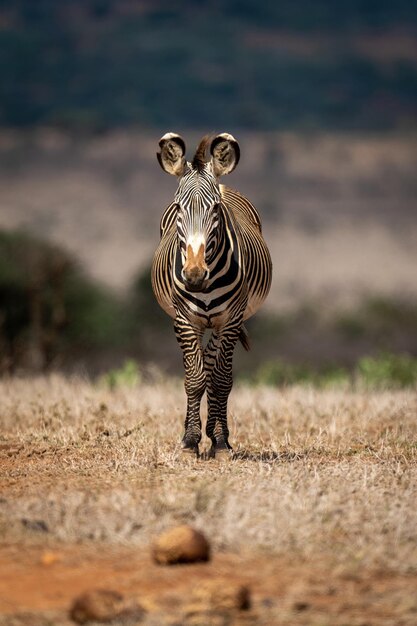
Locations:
(316, 475)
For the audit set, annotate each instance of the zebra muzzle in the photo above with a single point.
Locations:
(195, 272)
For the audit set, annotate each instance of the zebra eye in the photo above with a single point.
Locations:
(215, 211)
(179, 215)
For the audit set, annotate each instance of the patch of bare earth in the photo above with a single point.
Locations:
(315, 511)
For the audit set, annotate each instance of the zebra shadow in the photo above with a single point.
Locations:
(266, 456)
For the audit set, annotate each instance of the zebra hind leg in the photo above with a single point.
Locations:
(218, 361)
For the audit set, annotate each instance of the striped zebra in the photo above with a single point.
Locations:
(211, 270)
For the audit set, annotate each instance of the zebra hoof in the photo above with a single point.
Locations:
(220, 451)
(190, 448)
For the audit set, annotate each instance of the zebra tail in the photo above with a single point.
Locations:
(244, 338)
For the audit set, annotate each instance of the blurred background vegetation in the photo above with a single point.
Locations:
(99, 63)
(323, 97)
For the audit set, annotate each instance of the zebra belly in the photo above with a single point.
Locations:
(254, 303)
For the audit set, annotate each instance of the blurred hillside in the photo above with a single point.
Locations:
(338, 210)
(94, 64)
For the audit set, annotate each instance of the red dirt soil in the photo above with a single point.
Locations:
(38, 580)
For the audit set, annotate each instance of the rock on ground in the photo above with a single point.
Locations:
(103, 605)
(182, 544)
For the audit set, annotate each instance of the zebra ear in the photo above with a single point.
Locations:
(171, 156)
(225, 153)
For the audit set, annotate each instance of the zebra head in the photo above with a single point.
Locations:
(198, 200)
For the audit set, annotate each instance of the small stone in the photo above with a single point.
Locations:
(182, 544)
(219, 595)
(103, 605)
(49, 558)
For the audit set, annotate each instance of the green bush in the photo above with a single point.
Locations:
(384, 371)
(378, 320)
(95, 316)
(333, 376)
(146, 312)
(48, 306)
(387, 370)
(279, 373)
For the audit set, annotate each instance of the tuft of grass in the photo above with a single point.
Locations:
(128, 375)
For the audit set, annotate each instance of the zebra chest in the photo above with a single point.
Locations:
(203, 309)
(200, 305)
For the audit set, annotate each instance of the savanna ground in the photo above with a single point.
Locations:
(315, 511)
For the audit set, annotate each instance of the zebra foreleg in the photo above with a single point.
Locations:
(219, 361)
(189, 339)
(210, 356)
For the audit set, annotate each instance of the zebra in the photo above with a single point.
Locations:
(212, 270)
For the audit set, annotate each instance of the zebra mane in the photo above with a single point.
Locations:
(199, 159)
